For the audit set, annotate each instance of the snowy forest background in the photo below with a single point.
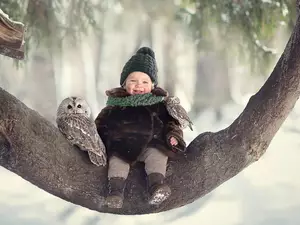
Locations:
(212, 54)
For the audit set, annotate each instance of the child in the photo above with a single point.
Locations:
(135, 126)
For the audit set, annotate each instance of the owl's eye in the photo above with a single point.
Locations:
(69, 107)
(79, 106)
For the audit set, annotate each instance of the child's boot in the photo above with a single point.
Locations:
(115, 196)
(158, 190)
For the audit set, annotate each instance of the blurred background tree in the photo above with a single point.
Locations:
(223, 34)
(233, 29)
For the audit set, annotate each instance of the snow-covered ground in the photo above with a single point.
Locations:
(267, 192)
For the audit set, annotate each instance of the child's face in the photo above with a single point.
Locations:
(138, 83)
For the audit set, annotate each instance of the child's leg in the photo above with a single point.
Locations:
(117, 174)
(155, 167)
(117, 168)
(155, 161)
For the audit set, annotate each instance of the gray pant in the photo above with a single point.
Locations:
(155, 162)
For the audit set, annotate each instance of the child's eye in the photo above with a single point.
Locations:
(145, 82)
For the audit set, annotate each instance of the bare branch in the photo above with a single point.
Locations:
(11, 37)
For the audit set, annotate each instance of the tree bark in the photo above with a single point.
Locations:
(11, 37)
(33, 148)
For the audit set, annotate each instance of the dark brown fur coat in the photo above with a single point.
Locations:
(126, 131)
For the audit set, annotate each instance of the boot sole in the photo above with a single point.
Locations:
(160, 195)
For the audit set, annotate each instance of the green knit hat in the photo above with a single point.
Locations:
(142, 61)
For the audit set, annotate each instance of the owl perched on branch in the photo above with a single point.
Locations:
(175, 110)
(74, 121)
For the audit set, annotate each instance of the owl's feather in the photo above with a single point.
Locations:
(178, 112)
(97, 159)
(82, 132)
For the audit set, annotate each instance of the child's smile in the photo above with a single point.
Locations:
(138, 91)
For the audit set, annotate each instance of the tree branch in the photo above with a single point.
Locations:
(11, 37)
(33, 148)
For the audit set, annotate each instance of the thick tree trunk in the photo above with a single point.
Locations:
(212, 84)
(169, 61)
(144, 35)
(33, 148)
(39, 88)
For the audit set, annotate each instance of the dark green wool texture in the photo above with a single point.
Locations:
(134, 100)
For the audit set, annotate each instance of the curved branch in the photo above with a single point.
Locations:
(33, 148)
(11, 37)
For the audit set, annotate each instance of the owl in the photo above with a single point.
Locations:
(175, 110)
(74, 121)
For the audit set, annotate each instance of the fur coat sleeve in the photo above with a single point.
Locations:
(102, 124)
(173, 130)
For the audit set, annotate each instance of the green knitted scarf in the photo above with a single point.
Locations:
(134, 100)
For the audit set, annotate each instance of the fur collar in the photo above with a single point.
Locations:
(121, 92)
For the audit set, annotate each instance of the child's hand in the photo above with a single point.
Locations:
(173, 141)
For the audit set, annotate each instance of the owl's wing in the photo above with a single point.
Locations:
(98, 160)
(82, 132)
(179, 114)
(77, 131)
(98, 154)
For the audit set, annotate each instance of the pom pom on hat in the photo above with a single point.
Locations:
(146, 51)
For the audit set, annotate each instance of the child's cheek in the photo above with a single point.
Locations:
(129, 89)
